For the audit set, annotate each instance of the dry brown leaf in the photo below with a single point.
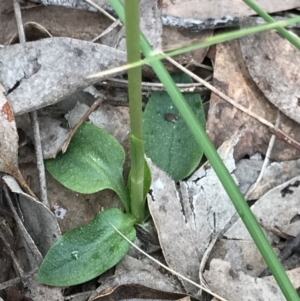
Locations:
(137, 291)
(232, 78)
(9, 143)
(58, 20)
(274, 64)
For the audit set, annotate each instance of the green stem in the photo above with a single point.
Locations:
(287, 34)
(219, 167)
(132, 17)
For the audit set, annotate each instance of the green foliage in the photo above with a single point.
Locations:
(74, 259)
(93, 162)
(86, 252)
(146, 188)
(169, 142)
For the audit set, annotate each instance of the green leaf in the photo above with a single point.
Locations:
(86, 252)
(169, 142)
(93, 162)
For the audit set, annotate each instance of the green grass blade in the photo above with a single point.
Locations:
(216, 162)
(287, 34)
(156, 55)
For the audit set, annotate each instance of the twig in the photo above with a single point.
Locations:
(266, 161)
(101, 10)
(146, 86)
(281, 135)
(107, 30)
(8, 247)
(16, 280)
(34, 119)
(27, 240)
(82, 119)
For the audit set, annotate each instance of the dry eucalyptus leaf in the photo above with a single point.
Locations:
(274, 175)
(39, 221)
(60, 21)
(194, 9)
(139, 292)
(237, 286)
(115, 120)
(242, 255)
(224, 119)
(140, 273)
(40, 292)
(188, 217)
(53, 136)
(41, 73)
(9, 142)
(203, 9)
(274, 64)
(247, 171)
(277, 210)
(294, 276)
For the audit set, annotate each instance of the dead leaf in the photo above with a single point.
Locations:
(237, 286)
(274, 64)
(277, 209)
(9, 142)
(136, 291)
(242, 255)
(40, 292)
(140, 272)
(232, 78)
(115, 120)
(39, 221)
(53, 136)
(247, 171)
(275, 174)
(54, 68)
(189, 216)
(58, 20)
(204, 9)
(294, 276)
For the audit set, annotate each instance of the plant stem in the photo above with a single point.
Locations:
(224, 176)
(132, 17)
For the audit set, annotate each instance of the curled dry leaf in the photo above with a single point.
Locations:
(133, 273)
(9, 143)
(137, 291)
(39, 221)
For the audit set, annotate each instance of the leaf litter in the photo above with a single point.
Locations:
(201, 188)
